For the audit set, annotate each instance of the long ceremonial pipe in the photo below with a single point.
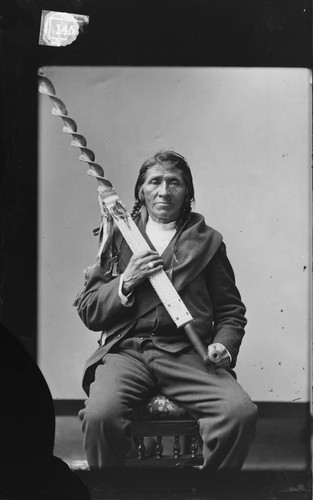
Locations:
(160, 282)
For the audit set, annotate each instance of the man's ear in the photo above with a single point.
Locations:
(141, 196)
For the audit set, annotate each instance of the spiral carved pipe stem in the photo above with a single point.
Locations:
(106, 192)
(79, 141)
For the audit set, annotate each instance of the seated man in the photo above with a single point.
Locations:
(141, 351)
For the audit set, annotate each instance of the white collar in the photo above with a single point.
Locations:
(168, 226)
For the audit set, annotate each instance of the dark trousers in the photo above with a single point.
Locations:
(136, 371)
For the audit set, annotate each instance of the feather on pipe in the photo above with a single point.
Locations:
(112, 209)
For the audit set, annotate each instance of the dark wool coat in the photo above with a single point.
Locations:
(198, 266)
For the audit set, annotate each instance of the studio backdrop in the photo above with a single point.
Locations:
(246, 134)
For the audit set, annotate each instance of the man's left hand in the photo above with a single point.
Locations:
(219, 352)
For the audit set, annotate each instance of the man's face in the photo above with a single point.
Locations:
(164, 191)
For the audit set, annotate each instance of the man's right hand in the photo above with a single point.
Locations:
(140, 267)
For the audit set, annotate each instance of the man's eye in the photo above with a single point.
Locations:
(154, 181)
(175, 183)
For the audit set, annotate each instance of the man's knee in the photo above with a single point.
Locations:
(242, 412)
(235, 413)
(105, 415)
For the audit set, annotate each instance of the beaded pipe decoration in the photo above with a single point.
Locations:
(112, 209)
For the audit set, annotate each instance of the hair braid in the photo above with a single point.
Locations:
(184, 218)
(136, 208)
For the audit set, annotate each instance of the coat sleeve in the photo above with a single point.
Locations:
(99, 305)
(228, 310)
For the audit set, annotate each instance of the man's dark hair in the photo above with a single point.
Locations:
(168, 159)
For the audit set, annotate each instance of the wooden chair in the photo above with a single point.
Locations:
(161, 417)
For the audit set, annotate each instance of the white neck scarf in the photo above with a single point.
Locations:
(160, 234)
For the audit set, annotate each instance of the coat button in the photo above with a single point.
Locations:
(118, 335)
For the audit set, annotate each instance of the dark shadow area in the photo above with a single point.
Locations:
(27, 427)
(188, 484)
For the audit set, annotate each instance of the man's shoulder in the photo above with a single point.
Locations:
(197, 221)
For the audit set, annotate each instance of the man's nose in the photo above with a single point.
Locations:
(164, 189)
